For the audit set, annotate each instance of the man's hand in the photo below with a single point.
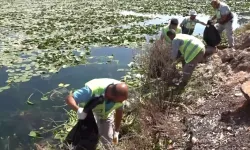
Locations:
(81, 114)
(116, 137)
(214, 17)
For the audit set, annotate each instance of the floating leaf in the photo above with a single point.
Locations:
(64, 66)
(5, 87)
(66, 85)
(52, 71)
(111, 57)
(33, 134)
(45, 98)
(61, 85)
(29, 103)
(28, 100)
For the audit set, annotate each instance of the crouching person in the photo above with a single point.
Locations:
(110, 94)
(191, 49)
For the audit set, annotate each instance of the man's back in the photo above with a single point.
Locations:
(186, 36)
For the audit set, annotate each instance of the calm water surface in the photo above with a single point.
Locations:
(18, 118)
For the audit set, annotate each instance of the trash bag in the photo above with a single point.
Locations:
(211, 35)
(84, 135)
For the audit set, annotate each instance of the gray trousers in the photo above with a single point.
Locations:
(106, 129)
(229, 31)
(209, 50)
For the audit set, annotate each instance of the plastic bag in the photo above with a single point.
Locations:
(211, 35)
(84, 135)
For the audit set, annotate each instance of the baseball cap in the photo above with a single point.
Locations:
(174, 21)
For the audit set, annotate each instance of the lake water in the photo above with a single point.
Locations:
(18, 118)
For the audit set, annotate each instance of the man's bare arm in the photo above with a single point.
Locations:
(203, 23)
(71, 102)
(118, 118)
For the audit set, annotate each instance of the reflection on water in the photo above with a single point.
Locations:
(15, 111)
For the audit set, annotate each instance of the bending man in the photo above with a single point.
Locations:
(114, 93)
(188, 48)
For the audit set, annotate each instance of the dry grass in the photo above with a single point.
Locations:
(159, 120)
(157, 96)
(160, 72)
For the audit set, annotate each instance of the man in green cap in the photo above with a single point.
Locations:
(173, 25)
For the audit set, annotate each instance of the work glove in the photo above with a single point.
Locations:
(81, 114)
(115, 137)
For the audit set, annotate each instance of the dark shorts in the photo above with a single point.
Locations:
(187, 31)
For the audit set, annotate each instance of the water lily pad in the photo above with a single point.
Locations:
(33, 134)
(5, 87)
(66, 85)
(111, 57)
(61, 85)
(45, 98)
(29, 103)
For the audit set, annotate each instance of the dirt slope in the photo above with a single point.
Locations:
(225, 120)
(220, 118)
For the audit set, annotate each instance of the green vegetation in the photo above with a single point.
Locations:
(41, 37)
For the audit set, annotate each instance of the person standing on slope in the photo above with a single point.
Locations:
(224, 19)
(188, 24)
(110, 93)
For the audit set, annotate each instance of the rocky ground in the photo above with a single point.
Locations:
(219, 118)
(226, 119)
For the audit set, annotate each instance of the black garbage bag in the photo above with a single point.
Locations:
(84, 135)
(211, 35)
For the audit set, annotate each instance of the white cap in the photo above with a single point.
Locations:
(192, 13)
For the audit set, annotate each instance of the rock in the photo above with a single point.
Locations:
(194, 140)
(238, 94)
(245, 89)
